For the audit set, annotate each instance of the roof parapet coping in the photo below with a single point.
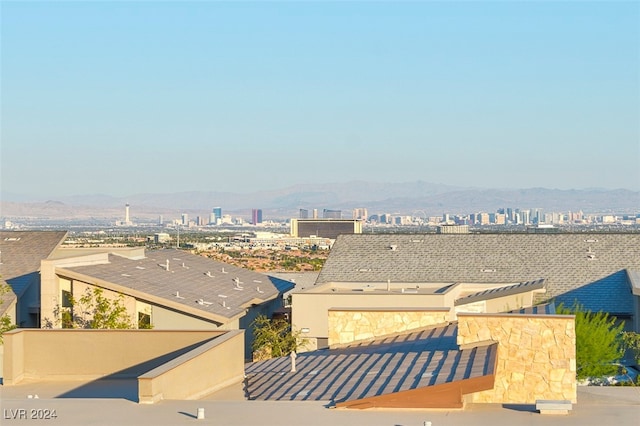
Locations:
(408, 309)
(512, 315)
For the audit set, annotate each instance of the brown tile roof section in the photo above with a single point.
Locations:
(383, 367)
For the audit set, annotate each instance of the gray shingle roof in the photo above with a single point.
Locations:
(299, 280)
(21, 253)
(193, 282)
(6, 299)
(589, 267)
(394, 364)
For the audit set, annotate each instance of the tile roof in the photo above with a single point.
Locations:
(566, 262)
(402, 362)
(21, 253)
(195, 283)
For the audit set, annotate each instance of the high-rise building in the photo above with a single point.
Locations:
(127, 217)
(304, 214)
(185, 219)
(217, 213)
(324, 228)
(360, 213)
(331, 214)
(483, 218)
(256, 216)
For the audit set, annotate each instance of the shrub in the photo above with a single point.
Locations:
(598, 342)
(274, 338)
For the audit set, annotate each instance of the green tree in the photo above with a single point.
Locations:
(631, 342)
(5, 320)
(598, 342)
(274, 338)
(94, 310)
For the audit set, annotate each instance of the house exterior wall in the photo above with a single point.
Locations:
(166, 319)
(510, 303)
(246, 322)
(351, 325)
(498, 304)
(51, 286)
(536, 355)
(310, 310)
(26, 307)
(80, 289)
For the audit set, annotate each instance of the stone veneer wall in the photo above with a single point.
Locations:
(351, 325)
(536, 355)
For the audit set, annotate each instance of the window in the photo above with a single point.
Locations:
(144, 320)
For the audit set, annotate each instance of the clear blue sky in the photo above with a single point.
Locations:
(123, 98)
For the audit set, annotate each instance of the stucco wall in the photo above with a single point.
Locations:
(166, 319)
(350, 325)
(90, 354)
(212, 366)
(536, 355)
(309, 310)
(80, 289)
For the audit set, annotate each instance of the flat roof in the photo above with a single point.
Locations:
(103, 404)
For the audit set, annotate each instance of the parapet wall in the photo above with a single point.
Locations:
(212, 366)
(536, 355)
(361, 324)
(168, 364)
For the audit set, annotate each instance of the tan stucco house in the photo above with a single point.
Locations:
(167, 289)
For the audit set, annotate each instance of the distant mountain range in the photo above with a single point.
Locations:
(419, 198)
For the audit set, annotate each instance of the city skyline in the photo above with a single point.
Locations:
(124, 98)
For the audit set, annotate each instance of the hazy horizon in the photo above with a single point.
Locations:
(124, 98)
(23, 197)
